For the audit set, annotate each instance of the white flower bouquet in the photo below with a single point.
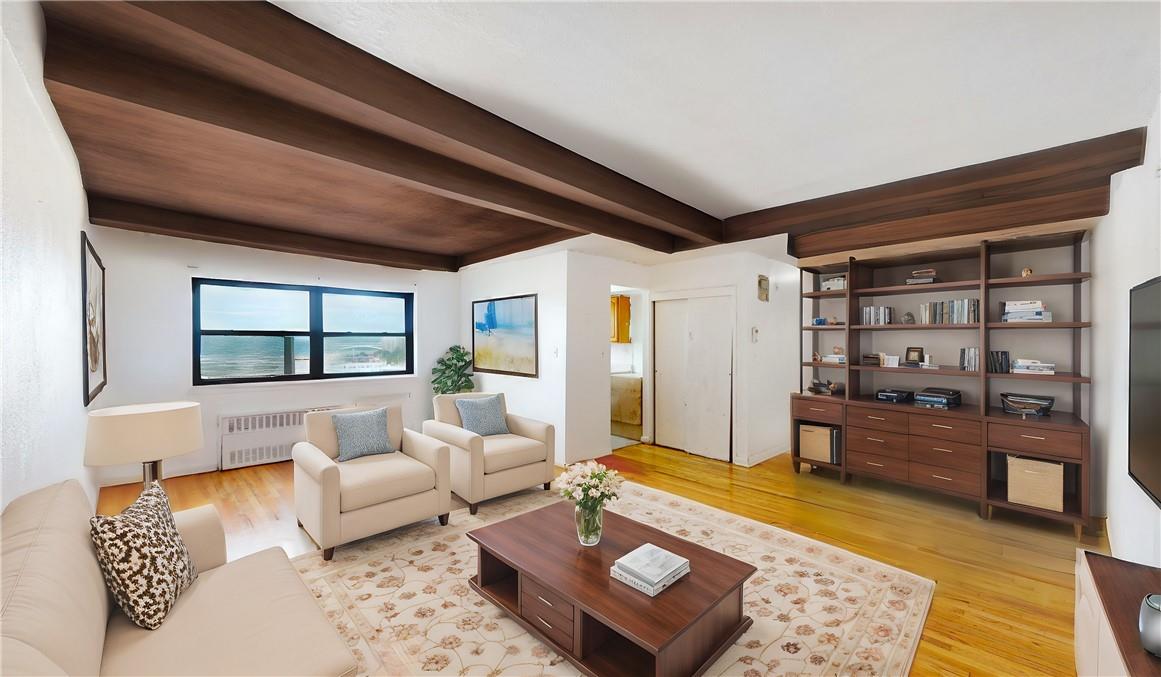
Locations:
(590, 485)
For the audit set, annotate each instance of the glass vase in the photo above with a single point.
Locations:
(589, 523)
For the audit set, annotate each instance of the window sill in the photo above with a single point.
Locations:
(262, 385)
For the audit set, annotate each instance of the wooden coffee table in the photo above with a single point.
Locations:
(533, 567)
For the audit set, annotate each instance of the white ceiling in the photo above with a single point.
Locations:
(733, 107)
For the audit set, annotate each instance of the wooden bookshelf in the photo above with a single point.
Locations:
(976, 431)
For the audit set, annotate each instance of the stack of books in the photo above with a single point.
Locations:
(834, 359)
(649, 569)
(969, 359)
(1022, 366)
(878, 315)
(922, 276)
(958, 311)
(834, 283)
(1024, 311)
(998, 362)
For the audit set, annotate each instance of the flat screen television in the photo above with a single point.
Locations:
(1145, 387)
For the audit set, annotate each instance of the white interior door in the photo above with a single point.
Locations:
(669, 332)
(708, 376)
(693, 361)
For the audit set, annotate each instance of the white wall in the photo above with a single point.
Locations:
(541, 398)
(150, 325)
(42, 417)
(1125, 250)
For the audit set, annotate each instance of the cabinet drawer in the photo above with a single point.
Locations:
(1034, 440)
(872, 464)
(879, 419)
(814, 410)
(946, 454)
(548, 624)
(877, 442)
(953, 429)
(948, 479)
(545, 597)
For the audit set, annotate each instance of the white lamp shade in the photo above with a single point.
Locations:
(139, 433)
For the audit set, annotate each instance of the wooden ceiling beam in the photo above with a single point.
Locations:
(74, 64)
(114, 213)
(514, 247)
(1045, 209)
(247, 43)
(984, 188)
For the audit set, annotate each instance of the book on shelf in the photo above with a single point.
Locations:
(998, 361)
(650, 564)
(969, 359)
(956, 311)
(1027, 316)
(1026, 366)
(878, 315)
(921, 280)
(834, 359)
(923, 272)
(648, 589)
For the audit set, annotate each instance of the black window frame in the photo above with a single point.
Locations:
(315, 332)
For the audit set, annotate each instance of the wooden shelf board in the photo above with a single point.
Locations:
(916, 370)
(1036, 455)
(1056, 419)
(821, 464)
(826, 327)
(824, 365)
(917, 288)
(1060, 377)
(1039, 280)
(503, 593)
(997, 496)
(1039, 325)
(966, 410)
(835, 294)
(911, 327)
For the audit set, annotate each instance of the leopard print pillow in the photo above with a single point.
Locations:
(144, 561)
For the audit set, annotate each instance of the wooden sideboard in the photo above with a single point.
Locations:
(1108, 600)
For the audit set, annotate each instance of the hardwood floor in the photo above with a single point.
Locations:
(1004, 588)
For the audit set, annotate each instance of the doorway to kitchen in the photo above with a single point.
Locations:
(627, 314)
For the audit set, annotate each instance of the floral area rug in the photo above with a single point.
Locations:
(402, 603)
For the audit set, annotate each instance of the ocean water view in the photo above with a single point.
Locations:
(225, 357)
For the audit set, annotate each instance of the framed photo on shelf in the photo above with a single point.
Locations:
(914, 355)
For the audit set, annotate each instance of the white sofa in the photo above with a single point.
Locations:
(337, 503)
(252, 616)
(484, 467)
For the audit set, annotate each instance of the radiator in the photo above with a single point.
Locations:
(254, 439)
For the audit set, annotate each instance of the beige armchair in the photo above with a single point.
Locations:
(338, 503)
(495, 465)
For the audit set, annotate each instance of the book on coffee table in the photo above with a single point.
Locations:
(650, 564)
(651, 590)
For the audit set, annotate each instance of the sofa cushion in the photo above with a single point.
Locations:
(145, 562)
(446, 411)
(54, 601)
(320, 428)
(252, 616)
(483, 415)
(502, 452)
(362, 433)
(372, 480)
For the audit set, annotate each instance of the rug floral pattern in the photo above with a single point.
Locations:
(402, 603)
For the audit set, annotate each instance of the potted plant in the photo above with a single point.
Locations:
(590, 485)
(452, 373)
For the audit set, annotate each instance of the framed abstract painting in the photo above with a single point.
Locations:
(504, 336)
(92, 320)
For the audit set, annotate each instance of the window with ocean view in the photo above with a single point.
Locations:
(254, 331)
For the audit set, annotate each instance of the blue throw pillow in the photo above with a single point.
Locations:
(482, 415)
(362, 433)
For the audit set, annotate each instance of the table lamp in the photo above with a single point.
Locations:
(143, 433)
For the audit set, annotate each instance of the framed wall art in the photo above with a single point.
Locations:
(92, 320)
(504, 336)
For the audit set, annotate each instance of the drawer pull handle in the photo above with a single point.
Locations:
(875, 439)
(939, 425)
(941, 477)
(543, 600)
(1032, 437)
(817, 409)
(877, 465)
(942, 449)
(876, 418)
(544, 621)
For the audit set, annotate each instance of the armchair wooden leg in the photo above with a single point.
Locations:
(328, 553)
(547, 486)
(300, 524)
(443, 519)
(473, 507)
